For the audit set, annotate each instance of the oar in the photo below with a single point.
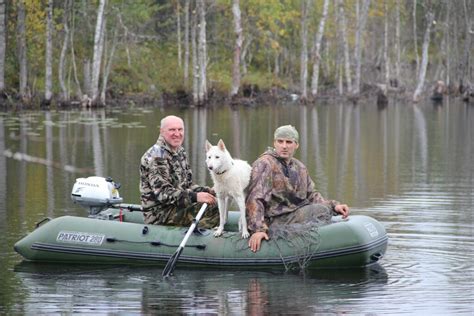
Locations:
(169, 268)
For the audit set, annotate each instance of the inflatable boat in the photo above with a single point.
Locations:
(114, 233)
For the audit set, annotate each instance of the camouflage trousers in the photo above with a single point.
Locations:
(313, 213)
(174, 216)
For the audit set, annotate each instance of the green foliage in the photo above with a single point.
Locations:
(264, 80)
(153, 69)
(146, 56)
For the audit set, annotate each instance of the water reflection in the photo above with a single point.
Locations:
(3, 175)
(421, 145)
(49, 167)
(408, 166)
(105, 289)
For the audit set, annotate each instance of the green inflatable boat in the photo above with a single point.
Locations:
(114, 233)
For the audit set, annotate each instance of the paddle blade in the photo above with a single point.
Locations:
(171, 264)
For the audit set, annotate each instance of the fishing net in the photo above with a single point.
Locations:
(295, 235)
(299, 231)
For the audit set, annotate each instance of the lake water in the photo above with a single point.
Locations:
(410, 167)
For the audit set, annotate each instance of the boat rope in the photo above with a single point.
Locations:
(153, 243)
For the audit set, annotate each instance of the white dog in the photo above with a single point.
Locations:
(231, 177)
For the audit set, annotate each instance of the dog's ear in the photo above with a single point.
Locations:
(208, 145)
(221, 145)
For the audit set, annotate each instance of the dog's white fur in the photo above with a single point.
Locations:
(230, 177)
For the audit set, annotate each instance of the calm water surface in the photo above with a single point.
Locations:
(410, 167)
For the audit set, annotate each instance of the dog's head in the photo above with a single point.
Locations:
(218, 159)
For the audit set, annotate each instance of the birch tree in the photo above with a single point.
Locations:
(345, 44)
(21, 48)
(304, 51)
(48, 93)
(64, 48)
(3, 32)
(73, 56)
(385, 46)
(178, 28)
(202, 53)
(362, 19)
(194, 57)
(317, 50)
(186, 43)
(98, 49)
(424, 55)
(415, 38)
(469, 24)
(447, 43)
(397, 42)
(238, 48)
(108, 64)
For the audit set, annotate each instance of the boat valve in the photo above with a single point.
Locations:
(376, 257)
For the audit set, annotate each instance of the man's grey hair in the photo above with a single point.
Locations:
(165, 120)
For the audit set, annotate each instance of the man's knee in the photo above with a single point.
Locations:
(316, 212)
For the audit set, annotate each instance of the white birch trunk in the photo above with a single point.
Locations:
(467, 44)
(397, 43)
(424, 57)
(86, 75)
(317, 50)
(243, 56)
(186, 43)
(415, 38)
(98, 49)
(178, 26)
(385, 46)
(73, 59)
(48, 93)
(62, 57)
(202, 53)
(358, 49)
(238, 48)
(108, 67)
(22, 58)
(195, 63)
(304, 51)
(345, 44)
(3, 38)
(356, 27)
(448, 49)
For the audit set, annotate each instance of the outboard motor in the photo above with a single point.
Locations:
(96, 193)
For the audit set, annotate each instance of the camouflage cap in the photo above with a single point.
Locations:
(286, 131)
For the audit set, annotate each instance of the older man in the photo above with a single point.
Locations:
(281, 191)
(167, 191)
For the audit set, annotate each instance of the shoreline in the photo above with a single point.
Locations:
(253, 97)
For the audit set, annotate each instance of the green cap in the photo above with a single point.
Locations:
(287, 132)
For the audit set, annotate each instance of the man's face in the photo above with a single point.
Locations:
(285, 148)
(173, 133)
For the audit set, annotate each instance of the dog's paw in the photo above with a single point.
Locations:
(245, 235)
(218, 232)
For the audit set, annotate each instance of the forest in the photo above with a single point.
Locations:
(194, 52)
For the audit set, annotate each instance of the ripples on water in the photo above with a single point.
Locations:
(103, 290)
(409, 167)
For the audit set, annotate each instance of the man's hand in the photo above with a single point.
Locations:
(342, 209)
(204, 197)
(256, 240)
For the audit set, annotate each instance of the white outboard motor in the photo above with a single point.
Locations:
(96, 193)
